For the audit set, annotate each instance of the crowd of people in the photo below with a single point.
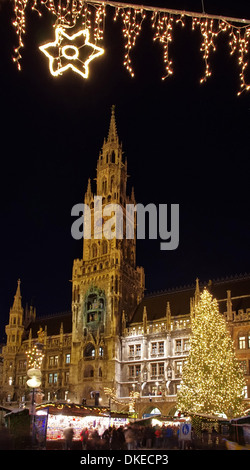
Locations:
(133, 437)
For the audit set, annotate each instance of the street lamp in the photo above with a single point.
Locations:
(33, 382)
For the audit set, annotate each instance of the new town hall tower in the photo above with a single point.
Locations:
(115, 337)
(106, 284)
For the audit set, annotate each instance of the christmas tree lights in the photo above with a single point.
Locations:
(212, 380)
(35, 358)
(90, 15)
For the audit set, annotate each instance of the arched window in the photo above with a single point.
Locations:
(89, 351)
(89, 371)
(104, 186)
(94, 250)
(104, 247)
(113, 157)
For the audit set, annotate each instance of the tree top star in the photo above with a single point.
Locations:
(69, 52)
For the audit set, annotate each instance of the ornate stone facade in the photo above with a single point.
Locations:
(115, 336)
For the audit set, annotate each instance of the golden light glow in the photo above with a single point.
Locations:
(63, 54)
(91, 15)
(212, 379)
(35, 358)
(132, 22)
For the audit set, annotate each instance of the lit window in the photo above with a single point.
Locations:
(67, 358)
(50, 378)
(131, 350)
(161, 347)
(138, 350)
(55, 378)
(101, 351)
(131, 371)
(153, 348)
(242, 342)
(137, 370)
(178, 368)
(178, 345)
(153, 369)
(245, 394)
(161, 369)
(10, 380)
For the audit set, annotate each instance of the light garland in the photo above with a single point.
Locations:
(64, 45)
(163, 23)
(212, 380)
(91, 15)
(35, 358)
(132, 23)
(133, 396)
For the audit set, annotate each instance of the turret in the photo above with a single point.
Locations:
(14, 330)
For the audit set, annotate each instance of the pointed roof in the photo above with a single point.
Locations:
(17, 304)
(179, 298)
(112, 135)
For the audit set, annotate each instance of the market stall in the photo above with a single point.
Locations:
(53, 418)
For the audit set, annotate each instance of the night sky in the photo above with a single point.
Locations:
(185, 143)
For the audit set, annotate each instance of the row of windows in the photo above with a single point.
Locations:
(103, 249)
(181, 345)
(53, 361)
(156, 348)
(15, 321)
(90, 351)
(53, 378)
(156, 370)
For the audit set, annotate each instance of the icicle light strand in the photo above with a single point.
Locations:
(91, 14)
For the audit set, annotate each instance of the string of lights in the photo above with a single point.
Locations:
(35, 358)
(91, 14)
(212, 379)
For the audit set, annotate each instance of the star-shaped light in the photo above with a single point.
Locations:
(69, 52)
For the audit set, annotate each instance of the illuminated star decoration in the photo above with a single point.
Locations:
(69, 52)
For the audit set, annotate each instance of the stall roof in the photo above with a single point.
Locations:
(73, 409)
(241, 420)
(217, 418)
(80, 410)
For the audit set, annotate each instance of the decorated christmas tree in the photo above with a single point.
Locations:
(212, 380)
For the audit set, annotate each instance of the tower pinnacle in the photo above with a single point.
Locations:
(112, 135)
(17, 304)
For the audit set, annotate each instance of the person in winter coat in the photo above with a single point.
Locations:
(68, 435)
(130, 438)
(84, 438)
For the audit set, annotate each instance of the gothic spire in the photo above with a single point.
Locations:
(17, 304)
(112, 135)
